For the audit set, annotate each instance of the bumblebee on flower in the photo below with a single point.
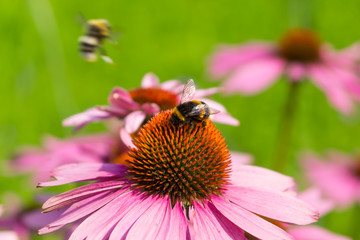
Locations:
(178, 183)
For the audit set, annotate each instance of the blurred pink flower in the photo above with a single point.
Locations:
(136, 106)
(337, 176)
(253, 67)
(178, 184)
(56, 152)
(314, 197)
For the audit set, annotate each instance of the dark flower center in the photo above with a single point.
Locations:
(357, 168)
(300, 45)
(164, 99)
(182, 162)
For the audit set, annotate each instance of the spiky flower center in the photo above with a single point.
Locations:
(182, 162)
(301, 45)
(164, 99)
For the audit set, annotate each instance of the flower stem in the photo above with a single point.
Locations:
(282, 146)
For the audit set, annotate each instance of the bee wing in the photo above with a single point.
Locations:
(214, 111)
(79, 18)
(104, 56)
(188, 92)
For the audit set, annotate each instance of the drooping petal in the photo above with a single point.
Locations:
(177, 227)
(314, 232)
(8, 235)
(275, 205)
(77, 194)
(84, 172)
(150, 108)
(225, 118)
(326, 80)
(249, 79)
(207, 226)
(148, 225)
(126, 138)
(227, 58)
(248, 221)
(149, 80)
(103, 219)
(81, 209)
(133, 121)
(201, 93)
(133, 211)
(81, 119)
(252, 176)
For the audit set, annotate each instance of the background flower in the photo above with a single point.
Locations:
(336, 175)
(252, 67)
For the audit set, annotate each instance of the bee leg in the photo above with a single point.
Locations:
(104, 56)
(203, 123)
(191, 125)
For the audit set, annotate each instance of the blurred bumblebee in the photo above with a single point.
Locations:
(97, 30)
(190, 111)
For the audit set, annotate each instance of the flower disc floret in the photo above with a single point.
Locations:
(185, 163)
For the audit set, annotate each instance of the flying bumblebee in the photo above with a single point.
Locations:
(190, 111)
(97, 30)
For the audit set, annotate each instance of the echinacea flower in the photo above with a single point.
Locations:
(177, 184)
(96, 148)
(133, 108)
(337, 175)
(251, 68)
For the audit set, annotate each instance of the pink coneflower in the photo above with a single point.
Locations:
(133, 108)
(97, 148)
(253, 67)
(337, 175)
(177, 184)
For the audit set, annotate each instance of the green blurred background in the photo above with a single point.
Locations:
(45, 80)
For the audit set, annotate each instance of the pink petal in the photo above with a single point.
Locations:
(81, 119)
(227, 58)
(314, 197)
(103, 219)
(251, 176)
(248, 221)
(296, 71)
(150, 222)
(272, 204)
(314, 232)
(225, 118)
(249, 79)
(133, 121)
(177, 227)
(81, 209)
(172, 85)
(8, 235)
(131, 213)
(207, 226)
(201, 93)
(120, 98)
(150, 108)
(326, 80)
(126, 138)
(79, 172)
(238, 159)
(149, 80)
(77, 194)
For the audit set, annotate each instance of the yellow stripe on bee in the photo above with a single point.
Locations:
(178, 114)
